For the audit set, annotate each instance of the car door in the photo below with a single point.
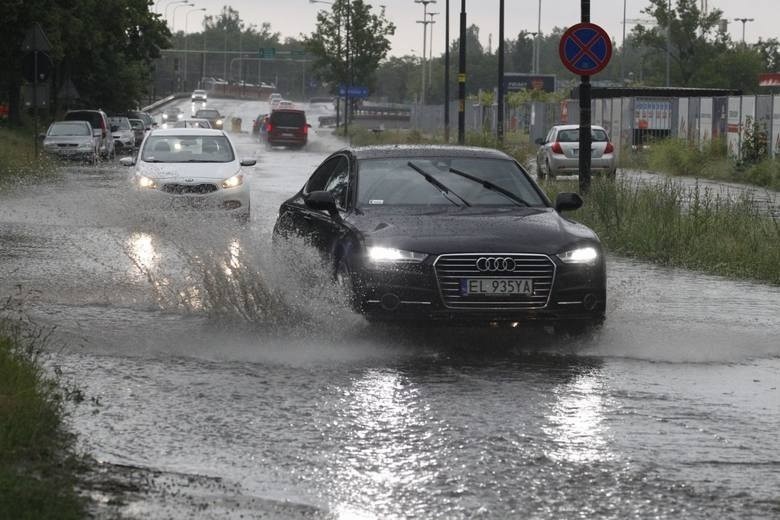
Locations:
(295, 218)
(327, 230)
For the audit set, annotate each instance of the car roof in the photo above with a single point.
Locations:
(404, 150)
(577, 127)
(187, 131)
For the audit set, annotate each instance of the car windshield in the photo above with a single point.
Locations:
(120, 122)
(392, 182)
(573, 135)
(189, 123)
(60, 129)
(137, 124)
(187, 148)
(206, 114)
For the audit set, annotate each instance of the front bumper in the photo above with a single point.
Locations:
(415, 293)
(194, 197)
(70, 153)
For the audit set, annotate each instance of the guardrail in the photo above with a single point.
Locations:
(164, 101)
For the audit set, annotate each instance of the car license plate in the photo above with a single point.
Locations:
(496, 286)
(288, 134)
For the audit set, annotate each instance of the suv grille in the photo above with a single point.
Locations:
(188, 189)
(451, 269)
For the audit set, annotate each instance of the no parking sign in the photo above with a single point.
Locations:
(585, 49)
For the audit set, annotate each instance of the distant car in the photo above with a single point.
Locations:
(172, 114)
(449, 234)
(124, 137)
(148, 120)
(212, 115)
(284, 104)
(558, 153)
(100, 129)
(191, 123)
(139, 130)
(199, 95)
(192, 168)
(287, 127)
(71, 140)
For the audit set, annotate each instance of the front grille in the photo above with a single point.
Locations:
(452, 268)
(189, 189)
(67, 145)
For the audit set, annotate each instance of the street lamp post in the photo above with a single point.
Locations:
(430, 52)
(425, 23)
(186, 41)
(447, 73)
(170, 4)
(500, 107)
(744, 21)
(173, 18)
(462, 76)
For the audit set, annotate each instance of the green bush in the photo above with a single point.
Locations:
(766, 173)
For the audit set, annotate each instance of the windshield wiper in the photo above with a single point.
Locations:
(491, 186)
(444, 189)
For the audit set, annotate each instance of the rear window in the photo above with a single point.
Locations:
(93, 118)
(573, 135)
(294, 119)
(74, 128)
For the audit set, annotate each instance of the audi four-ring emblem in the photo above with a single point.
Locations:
(495, 264)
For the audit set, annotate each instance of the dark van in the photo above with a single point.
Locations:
(287, 127)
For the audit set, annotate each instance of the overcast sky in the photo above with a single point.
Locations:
(292, 17)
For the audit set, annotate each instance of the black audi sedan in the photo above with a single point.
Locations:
(447, 233)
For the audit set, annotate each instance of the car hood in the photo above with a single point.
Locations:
(504, 230)
(195, 171)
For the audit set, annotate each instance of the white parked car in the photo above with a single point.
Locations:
(192, 168)
(558, 153)
(122, 132)
(71, 140)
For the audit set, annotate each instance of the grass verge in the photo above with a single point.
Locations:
(17, 155)
(37, 468)
(673, 225)
(678, 157)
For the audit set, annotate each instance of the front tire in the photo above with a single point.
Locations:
(346, 282)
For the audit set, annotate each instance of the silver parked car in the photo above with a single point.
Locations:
(558, 153)
(72, 140)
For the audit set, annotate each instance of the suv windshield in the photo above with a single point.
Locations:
(207, 114)
(75, 128)
(120, 122)
(392, 182)
(187, 148)
(292, 119)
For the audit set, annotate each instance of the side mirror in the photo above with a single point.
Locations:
(322, 201)
(568, 202)
(248, 162)
(539, 141)
(41, 136)
(127, 161)
(308, 125)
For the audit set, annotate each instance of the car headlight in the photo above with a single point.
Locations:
(146, 182)
(384, 255)
(165, 116)
(580, 255)
(84, 146)
(232, 182)
(218, 122)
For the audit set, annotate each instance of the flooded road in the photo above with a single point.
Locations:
(294, 407)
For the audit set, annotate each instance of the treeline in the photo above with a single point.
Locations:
(104, 47)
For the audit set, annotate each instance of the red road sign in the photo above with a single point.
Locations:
(585, 49)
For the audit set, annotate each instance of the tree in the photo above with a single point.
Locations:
(694, 40)
(349, 43)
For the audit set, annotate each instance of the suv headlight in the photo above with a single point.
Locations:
(234, 181)
(218, 122)
(385, 255)
(580, 255)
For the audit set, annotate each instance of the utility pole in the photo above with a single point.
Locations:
(430, 52)
(347, 108)
(447, 74)
(425, 23)
(500, 108)
(186, 40)
(623, 49)
(669, 44)
(538, 46)
(462, 76)
(744, 21)
(585, 137)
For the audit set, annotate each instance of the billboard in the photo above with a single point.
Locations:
(733, 126)
(653, 114)
(682, 118)
(705, 121)
(515, 81)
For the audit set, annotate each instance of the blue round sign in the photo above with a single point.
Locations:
(585, 49)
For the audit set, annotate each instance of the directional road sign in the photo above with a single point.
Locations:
(354, 91)
(268, 52)
(585, 49)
